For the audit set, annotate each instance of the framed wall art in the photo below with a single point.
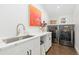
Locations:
(35, 16)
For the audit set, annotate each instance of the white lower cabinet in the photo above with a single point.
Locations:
(42, 49)
(30, 47)
(13, 50)
(47, 43)
(34, 46)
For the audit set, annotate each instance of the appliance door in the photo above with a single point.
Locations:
(66, 35)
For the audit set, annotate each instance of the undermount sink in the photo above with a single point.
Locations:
(16, 39)
(24, 37)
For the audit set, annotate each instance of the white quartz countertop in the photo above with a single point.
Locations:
(2, 44)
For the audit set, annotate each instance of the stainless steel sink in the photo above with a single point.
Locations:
(28, 36)
(10, 40)
(17, 39)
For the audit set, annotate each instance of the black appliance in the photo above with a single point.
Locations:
(66, 35)
(63, 34)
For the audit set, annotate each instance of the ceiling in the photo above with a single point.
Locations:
(57, 10)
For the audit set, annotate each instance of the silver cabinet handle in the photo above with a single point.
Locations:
(29, 52)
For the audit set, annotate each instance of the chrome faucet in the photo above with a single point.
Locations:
(18, 30)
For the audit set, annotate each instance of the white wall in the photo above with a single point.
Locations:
(64, 10)
(13, 14)
(68, 19)
(76, 21)
(10, 16)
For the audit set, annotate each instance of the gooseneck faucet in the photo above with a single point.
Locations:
(18, 29)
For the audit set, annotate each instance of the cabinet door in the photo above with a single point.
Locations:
(34, 46)
(48, 42)
(17, 49)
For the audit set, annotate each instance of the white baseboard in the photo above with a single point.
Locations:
(77, 50)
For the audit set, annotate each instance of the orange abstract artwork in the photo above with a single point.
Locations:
(35, 16)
